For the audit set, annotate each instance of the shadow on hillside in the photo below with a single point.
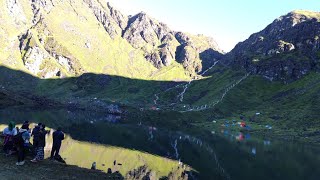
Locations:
(24, 97)
(55, 102)
(206, 57)
(17, 87)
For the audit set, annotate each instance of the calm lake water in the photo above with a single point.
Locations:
(211, 155)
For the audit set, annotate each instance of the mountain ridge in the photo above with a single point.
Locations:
(53, 45)
(285, 50)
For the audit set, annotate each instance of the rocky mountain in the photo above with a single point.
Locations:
(59, 38)
(138, 67)
(286, 50)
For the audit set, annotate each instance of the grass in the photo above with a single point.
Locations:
(67, 36)
(121, 58)
(309, 14)
(290, 106)
(130, 159)
(82, 154)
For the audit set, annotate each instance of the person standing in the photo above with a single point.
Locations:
(41, 144)
(35, 134)
(22, 142)
(58, 136)
(94, 166)
(26, 124)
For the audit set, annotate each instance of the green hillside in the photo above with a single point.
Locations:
(58, 39)
(74, 63)
(289, 107)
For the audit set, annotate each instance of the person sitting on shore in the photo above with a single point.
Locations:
(9, 132)
(58, 136)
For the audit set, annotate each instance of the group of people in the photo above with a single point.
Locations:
(18, 141)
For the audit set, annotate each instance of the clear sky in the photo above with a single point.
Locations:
(227, 21)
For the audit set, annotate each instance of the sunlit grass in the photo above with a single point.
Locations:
(83, 154)
(309, 14)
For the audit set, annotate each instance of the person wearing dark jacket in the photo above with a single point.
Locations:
(35, 134)
(41, 144)
(26, 125)
(22, 142)
(58, 136)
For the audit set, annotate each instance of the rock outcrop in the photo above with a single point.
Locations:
(112, 20)
(162, 46)
(16, 12)
(285, 50)
(198, 52)
(189, 58)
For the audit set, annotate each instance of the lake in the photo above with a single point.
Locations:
(136, 149)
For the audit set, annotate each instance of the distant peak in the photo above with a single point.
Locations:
(306, 13)
(142, 16)
(142, 13)
(297, 14)
(109, 5)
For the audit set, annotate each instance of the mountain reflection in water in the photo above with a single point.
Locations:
(211, 155)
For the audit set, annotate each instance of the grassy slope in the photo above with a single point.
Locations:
(130, 159)
(82, 154)
(292, 109)
(70, 34)
(291, 105)
(9, 50)
(69, 30)
(296, 103)
(309, 14)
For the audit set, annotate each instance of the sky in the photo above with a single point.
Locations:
(227, 21)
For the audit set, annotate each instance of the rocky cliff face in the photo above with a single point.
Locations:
(162, 46)
(154, 38)
(285, 50)
(196, 52)
(112, 20)
(58, 38)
